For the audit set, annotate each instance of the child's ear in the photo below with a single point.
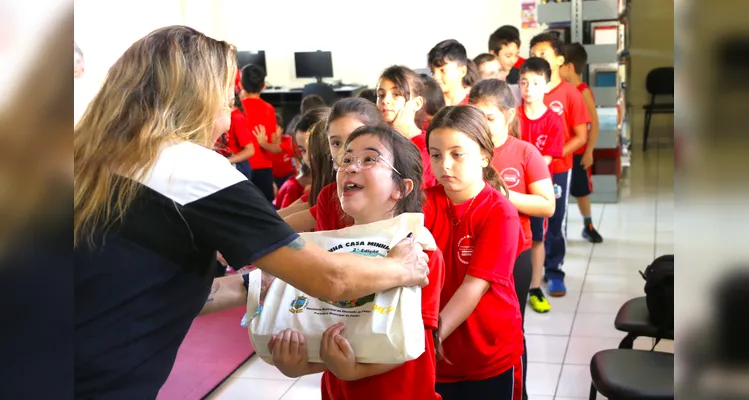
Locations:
(464, 70)
(417, 103)
(511, 113)
(397, 195)
(561, 60)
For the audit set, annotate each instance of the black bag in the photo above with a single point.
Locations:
(659, 292)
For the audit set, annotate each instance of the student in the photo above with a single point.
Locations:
(386, 172)
(504, 43)
(581, 186)
(478, 230)
(488, 66)
(310, 102)
(565, 100)
(236, 144)
(449, 65)
(543, 128)
(434, 100)
(260, 115)
(282, 160)
(323, 210)
(400, 99)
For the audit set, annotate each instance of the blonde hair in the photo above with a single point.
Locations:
(167, 87)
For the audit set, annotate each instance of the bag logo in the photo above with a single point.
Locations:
(465, 249)
(298, 304)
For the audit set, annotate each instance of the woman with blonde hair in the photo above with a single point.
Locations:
(153, 203)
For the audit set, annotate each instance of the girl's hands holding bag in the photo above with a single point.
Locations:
(337, 354)
(289, 353)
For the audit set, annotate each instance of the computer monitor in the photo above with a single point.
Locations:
(251, 57)
(313, 64)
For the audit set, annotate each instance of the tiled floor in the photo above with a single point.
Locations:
(600, 279)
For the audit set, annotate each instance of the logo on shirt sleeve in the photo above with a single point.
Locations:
(465, 249)
(557, 107)
(511, 176)
(541, 142)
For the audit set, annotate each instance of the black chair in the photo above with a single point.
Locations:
(659, 82)
(321, 89)
(623, 374)
(634, 319)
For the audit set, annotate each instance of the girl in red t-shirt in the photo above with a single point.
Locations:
(324, 211)
(478, 230)
(523, 169)
(379, 176)
(236, 143)
(296, 187)
(400, 99)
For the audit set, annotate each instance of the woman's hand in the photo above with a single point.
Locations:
(289, 353)
(337, 354)
(412, 257)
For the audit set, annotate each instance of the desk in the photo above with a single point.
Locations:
(288, 101)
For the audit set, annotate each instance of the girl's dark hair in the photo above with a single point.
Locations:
(472, 74)
(406, 159)
(238, 103)
(364, 110)
(291, 127)
(470, 121)
(499, 94)
(409, 84)
(321, 164)
(434, 99)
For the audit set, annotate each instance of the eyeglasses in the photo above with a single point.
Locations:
(365, 160)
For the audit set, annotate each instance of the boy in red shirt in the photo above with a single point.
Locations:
(581, 186)
(544, 128)
(282, 160)
(565, 100)
(448, 62)
(504, 44)
(261, 119)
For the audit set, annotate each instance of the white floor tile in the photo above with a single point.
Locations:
(542, 378)
(574, 381)
(247, 388)
(306, 388)
(256, 368)
(581, 349)
(628, 266)
(606, 303)
(632, 284)
(551, 323)
(596, 325)
(566, 304)
(545, 348)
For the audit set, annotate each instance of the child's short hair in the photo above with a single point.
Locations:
(446, 51)
(434, 99)
(499, 94)
(253, 78)
(575, 54)
(484, 58)
(503, 36)
(553, 40)
(538, 66)
(279, 121)
(311, 102)
(368, 94)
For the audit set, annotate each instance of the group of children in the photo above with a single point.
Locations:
(492, 178)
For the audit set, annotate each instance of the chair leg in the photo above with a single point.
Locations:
(628, 342)
(593, 392)
(648, 116)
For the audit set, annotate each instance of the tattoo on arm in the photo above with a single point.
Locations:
(297, 244)
(214, 289)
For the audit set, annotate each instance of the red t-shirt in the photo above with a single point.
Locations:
(545, 132)
(519, 62)
(465, 100)
(520, 164)
(305, 196)
(290, 191)
(282, 165)
(414, 379)
(327, 212)
(567, 101)
(484, 244)
(238, 81)
(259, 112)
(428, 179)
(581, 87)
(236, 138)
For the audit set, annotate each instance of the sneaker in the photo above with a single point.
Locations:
(557, 288)
(538, 301)
(591, 234)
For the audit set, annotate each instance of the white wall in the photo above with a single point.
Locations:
(365, 37)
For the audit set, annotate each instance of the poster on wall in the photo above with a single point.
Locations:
(528, 14)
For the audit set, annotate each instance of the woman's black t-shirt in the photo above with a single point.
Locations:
(139, 287)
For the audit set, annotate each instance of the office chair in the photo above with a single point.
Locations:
(659, 82)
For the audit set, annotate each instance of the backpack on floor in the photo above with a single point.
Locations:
(659, 292)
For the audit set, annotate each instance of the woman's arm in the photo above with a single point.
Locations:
(226, 292)
(539, 203)
(294, 208)
(344, 276)
(302, 221)
(462, 304)
(244, 155)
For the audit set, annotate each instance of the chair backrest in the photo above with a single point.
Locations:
(321, 89)
(660, 81)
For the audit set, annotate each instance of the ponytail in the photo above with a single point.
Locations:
(495, 180)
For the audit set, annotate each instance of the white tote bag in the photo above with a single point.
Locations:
(382, 328)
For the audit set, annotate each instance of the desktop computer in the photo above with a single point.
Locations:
(313, 64)
(256, 57)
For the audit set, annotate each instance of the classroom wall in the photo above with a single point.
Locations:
(364, 36)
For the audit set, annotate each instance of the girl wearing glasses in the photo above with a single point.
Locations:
(400, 99)
(375, 183)
(478, 230)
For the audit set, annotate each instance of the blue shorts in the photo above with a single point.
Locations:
(538, 228)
